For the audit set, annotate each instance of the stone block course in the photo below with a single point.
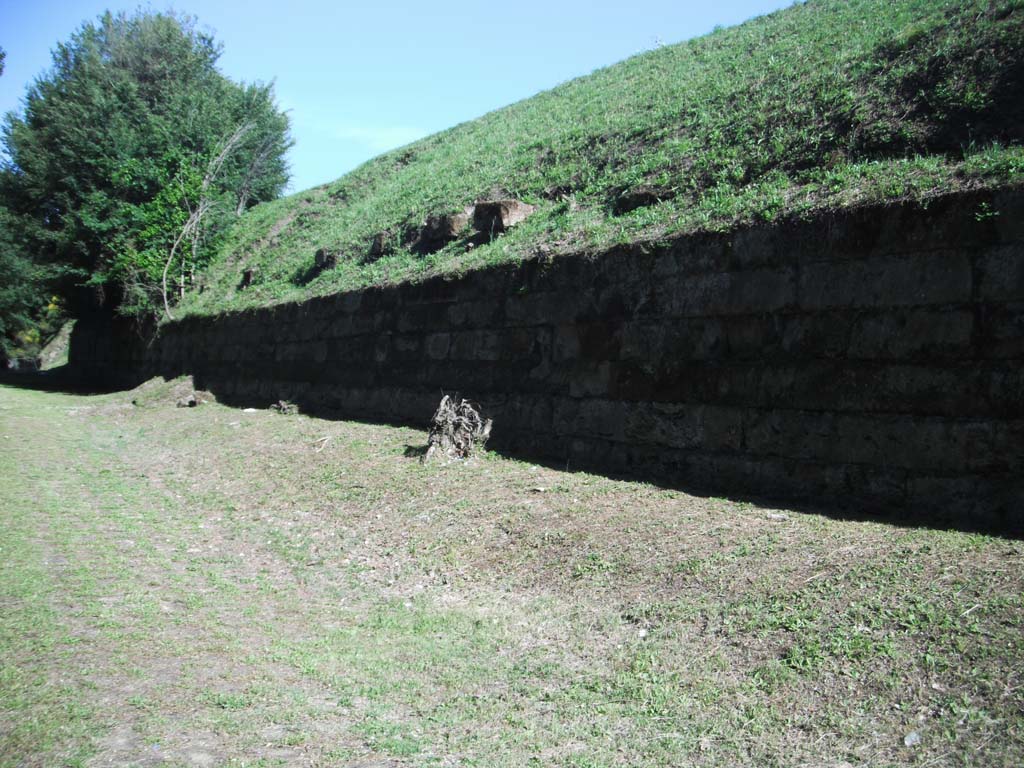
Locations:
(728, 293)
(1000, 331)
(942, 277)
(909, 334)
(1001, 273)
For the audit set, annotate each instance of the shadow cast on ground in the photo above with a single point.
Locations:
(65, 380)
(61, 379)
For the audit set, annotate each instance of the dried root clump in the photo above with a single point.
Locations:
(456, 429)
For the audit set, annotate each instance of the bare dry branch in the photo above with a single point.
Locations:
(193, 224)
(264, 154)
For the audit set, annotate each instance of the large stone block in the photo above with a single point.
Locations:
(591, 380)
(437, 345)
(605, 419)
(685, 340)
(863, 386)
(791, 434)
(353, 349)
(1001, 273)
(546, 307)
(346, 374)
(754, 337)
(1001, 331)
(406, 347)
(763, 246)
(566, 343)
(910, 334)
(686, 426)
(713, 382)
(420, 318)
(478, 345)
(970, 500)
(917, 280)
(442, 289)
(728, 293)
(599, 341)
(885, 441)
(1002, 391)
(520, 413)
(814, 336)
(916, 443)
(493, 217)
(697, 255)
(475, 314)
(525, 345)
(317, 351)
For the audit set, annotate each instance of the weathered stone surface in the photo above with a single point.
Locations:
(439, 231)
(493, 217)
(1001, 331)
(325, 259)
(918, 279)
(728, 293)
(381, 244)
(913, 334)
(474, 314)
(437, 346)
(1002, 273)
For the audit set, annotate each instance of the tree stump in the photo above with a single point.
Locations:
(456, 429)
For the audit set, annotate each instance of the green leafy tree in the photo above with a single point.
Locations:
(21, 288)
(20, 283)
(111, 160)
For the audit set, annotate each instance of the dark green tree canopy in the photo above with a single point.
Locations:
(20, 287)
(131, 132)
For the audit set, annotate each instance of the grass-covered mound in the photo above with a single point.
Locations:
(823, 105)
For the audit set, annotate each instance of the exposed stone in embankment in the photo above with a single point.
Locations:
(477, 223)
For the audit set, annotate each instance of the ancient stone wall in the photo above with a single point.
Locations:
(870, 357)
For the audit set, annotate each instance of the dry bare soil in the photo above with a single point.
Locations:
(207, 586)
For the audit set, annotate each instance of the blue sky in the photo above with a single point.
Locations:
(361, 78)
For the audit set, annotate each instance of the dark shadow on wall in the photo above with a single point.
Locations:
(864, 364)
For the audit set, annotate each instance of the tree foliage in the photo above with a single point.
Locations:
(20, 287)
(108, 161)
(19, 278)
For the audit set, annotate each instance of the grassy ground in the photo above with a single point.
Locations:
(199, 587)
(826, 104)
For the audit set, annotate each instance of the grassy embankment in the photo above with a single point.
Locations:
(210, 587)
(822, 105)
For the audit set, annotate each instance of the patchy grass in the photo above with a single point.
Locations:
(205, 586)
(822, 105)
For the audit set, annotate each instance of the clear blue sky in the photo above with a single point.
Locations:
(359, 78)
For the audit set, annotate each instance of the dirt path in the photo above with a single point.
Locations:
(200, 587)
(150, 603)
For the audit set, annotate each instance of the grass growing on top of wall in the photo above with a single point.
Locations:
(823, 105)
